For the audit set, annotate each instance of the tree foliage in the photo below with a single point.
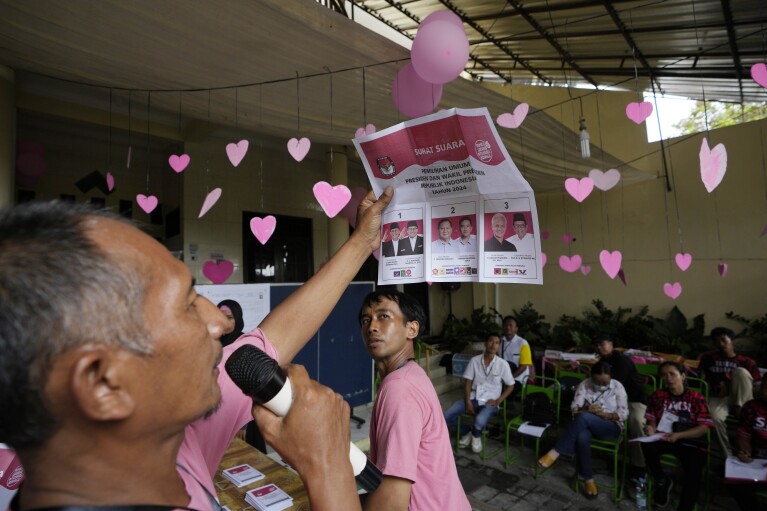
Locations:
(720, 115)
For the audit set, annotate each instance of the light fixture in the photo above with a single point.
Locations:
(585, 145)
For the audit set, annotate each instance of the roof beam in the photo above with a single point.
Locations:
(650, 56)
(727, 11)
(699, 72)
(577, 4)
(566, 57)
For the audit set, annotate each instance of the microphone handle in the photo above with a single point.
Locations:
(368, 476)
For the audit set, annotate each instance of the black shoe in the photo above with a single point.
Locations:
(662, 494)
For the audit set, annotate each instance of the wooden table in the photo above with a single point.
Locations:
(240, 452)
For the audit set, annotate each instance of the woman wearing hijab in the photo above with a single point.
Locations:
(233, 313)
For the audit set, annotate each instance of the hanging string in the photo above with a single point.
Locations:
(109, 147)
(261, 144)
(564, 168)
(364, 100)
(764, 164)
(602, 196)
(148, 129)
(207, 160)
(236, 105)
(179, 112)
(298, 105)
(331, 110)
(130, 128)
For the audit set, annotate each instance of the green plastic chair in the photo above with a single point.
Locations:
(613, 448)
(484, 454)
(550, 387)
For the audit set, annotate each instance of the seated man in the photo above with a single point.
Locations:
(483, 393)
(752, 442)
(516, 351)
(730, 378)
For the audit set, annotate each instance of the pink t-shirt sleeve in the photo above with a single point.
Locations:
(399, 429)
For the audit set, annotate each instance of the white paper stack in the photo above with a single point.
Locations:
(242, 475)
(268, 498)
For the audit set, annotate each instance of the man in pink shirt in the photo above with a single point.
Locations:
(409, 440)
(112, 386)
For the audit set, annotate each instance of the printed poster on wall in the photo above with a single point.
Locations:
(462, 212)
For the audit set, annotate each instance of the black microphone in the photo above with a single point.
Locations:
(260, 377)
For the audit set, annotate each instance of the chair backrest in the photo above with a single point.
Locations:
(650, 383)
(699, 385)
(648, 369)
(547, 385)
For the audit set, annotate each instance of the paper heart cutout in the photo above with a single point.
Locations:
(263, 228)
(683, 260)
(611, 262)
(622, 276)
(759, 74)
(543, 259)
(605, 180)
(764, 231)
(514, 120)
(713, 164)
(567, 238)
(545, 235)
(331, 198)
(585, 269)
(570, 264)
(178, 163)
(722, 269)
(299, 148)
(638, 112)
(218, 272)
(110, 181)
(377, 255)
(147, 203)
(367, 130)
(672, 290)
(236, 152)
(579, 189)
(209, 201)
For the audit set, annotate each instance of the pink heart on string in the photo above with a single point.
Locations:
(147, 203)
(218, 272)
(209, 201)
(759, 74)
(622, 276)
(236, 152)
(722, 269)
(331, 198)
(377, 255)
(579, 189)
(110, 181)
(585, 269)
(367, 130)
(611, 262)
(263, 228)
(429, 282)
(567, 238)
(605, 180)
(713, 164)
(514, 120)
(570, 264)
(638, 112)
(299, 148)
(178, 163)
(683, 260)
(764, 231)
(672, 290)
(545, 235)
(543, 259)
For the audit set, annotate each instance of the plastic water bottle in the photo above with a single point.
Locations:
(641, 494)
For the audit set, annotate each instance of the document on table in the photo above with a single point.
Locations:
(655, 437)
(756, 470)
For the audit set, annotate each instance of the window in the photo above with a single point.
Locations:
(286, 256)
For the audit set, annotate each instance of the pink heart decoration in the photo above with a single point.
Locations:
(236, 152)
(377, 255)
(605, 180)
(764, 231)
(367, 130)
(263, 228)
(570, 264)
(611, 262)
(218, 272)
(209, 201)
(147, 203)
(110, 181)
(514, 120)
(713, 164)
(543, 259)
(331, 198)
(672, 290)
(759, 74)
(349, 212)
(299, 148)
(722, 269)
(585, 269)
(579, 189)
(429, 282)
(567, 238)
(638, 112)
(622, 276)
(545, 235)
(178, 163)
(683, 260)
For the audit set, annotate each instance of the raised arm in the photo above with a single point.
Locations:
(290, 326)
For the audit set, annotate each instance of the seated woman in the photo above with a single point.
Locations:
(752, 441)
(599, 408)
(682, 416)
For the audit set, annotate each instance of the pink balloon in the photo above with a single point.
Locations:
(30, 146)
(412, 95)
(443, 15)
(440, 52)
(30, 167)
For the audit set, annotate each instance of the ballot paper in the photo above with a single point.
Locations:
(268, 498)
(461, 212)
(242, 475)
(736, 470)
(528, 428)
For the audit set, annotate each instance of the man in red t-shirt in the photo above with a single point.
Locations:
(730, 378)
